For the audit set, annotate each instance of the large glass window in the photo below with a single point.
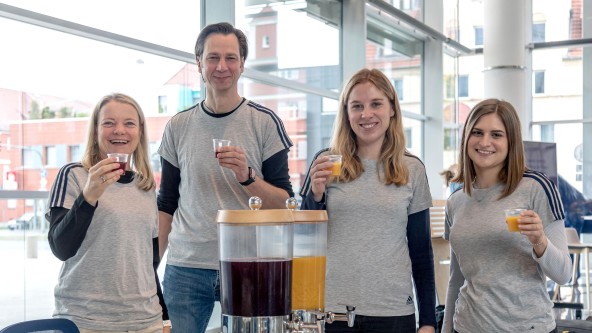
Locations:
(276, 49)
(49, 85)
(562, 84)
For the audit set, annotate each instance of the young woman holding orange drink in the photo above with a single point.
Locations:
(379, 245)
(498, 277)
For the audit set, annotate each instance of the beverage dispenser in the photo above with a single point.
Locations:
(255, 269)
(272, 270)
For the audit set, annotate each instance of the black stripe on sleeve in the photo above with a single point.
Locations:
(306, 185)
(58, 194)
(551, 192)
(278, 123)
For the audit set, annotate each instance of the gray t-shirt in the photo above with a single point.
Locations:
(205, 186)
(368, 262)
(109, 283)
(497, 283)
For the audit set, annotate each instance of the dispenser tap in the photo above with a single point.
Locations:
(314, 324)
(349, 316)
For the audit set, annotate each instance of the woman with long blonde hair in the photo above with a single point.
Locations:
(379, 244)
(104, 227)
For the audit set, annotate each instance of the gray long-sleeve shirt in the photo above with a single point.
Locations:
(497, 284)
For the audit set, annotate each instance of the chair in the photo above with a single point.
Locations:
(441, 248)
(577, 248)
(57, 324)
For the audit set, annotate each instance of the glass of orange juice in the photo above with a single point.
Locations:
(336, 160)
(512, 216)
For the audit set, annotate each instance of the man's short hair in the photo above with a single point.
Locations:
(224, 28)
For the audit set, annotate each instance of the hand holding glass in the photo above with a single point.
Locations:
(219, 143)
(512, 216)
(121, 158)
(336, 160)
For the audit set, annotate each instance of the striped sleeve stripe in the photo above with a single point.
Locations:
(306, 186)
(550, 190)
(58, 194)
(278, 123)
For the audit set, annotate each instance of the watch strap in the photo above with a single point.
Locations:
(249, 180)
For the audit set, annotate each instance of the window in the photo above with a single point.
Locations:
(450, 139)
(75, 153)
(449, 86)
(51, 155)
(265, 42)
(32, 157)
(539, 82)
(463, 86)
(408, 138)
(478, 36)
(162, 104)
(548, 133)
(398, 84)
(538, 32)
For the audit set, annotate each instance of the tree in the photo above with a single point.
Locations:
(34, 112)
(46, 113)
(65, 112)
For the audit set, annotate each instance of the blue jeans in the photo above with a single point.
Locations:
(371, 324)
(189, 294)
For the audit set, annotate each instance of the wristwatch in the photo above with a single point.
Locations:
(249, 180)
(166, 323)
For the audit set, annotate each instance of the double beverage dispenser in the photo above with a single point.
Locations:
(272, 270)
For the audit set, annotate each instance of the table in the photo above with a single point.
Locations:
(577, 250)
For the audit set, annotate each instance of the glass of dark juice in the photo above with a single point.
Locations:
(121, 159)
(219, 143)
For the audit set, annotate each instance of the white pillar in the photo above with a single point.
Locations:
(506, 32)
(432, 100)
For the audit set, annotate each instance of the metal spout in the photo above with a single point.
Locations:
(307, 322)
(349, 316)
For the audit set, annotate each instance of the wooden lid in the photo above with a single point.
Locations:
(310, 216)
(264, 216)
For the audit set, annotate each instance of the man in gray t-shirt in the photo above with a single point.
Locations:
(196, 183)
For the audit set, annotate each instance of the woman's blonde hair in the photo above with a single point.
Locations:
(140, 162)
(515, 164)
(393, 147)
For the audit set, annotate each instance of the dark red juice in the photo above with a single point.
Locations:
(256, 287)
(122, 165)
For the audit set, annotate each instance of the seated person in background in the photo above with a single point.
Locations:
(104, 226)
(574, 203)
(448, 175)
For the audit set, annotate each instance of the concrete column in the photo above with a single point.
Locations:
(214, 11)
(506, 30)
(353, 37)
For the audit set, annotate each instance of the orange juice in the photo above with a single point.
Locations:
(512, 222)
(308, 283)
(336, 169)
